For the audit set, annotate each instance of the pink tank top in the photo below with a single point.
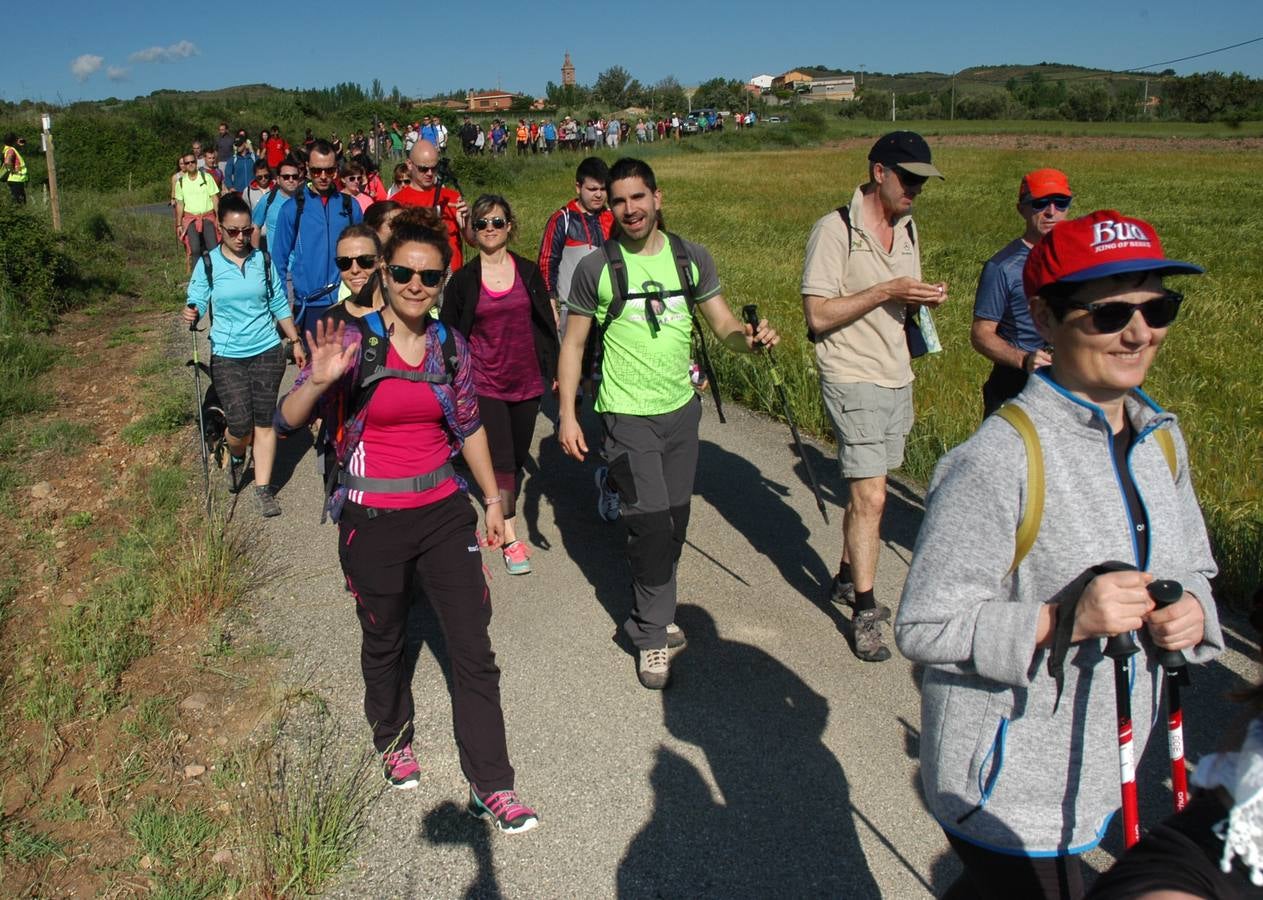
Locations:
(502, 345)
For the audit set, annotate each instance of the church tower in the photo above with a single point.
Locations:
(567, 71)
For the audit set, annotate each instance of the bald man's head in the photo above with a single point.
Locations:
(422, 163)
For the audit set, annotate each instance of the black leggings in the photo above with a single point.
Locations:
(510, 426)
(990, 875)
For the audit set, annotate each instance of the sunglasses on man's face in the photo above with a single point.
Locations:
(322, 170)
(1112, 316)
(1042, 203)
(238, 232)
(289, 176)
(494, 222)
(425, 169)
(188, 162)
(403, 275)
(907, 178)
(364, 262)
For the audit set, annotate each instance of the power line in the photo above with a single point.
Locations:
(1168, 62)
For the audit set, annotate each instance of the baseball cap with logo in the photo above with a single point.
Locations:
(1044, 183)
(1098, 245)
(907, 150)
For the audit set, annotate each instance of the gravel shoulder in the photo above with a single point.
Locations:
(776, 764)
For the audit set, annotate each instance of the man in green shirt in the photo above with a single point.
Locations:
(649, 410)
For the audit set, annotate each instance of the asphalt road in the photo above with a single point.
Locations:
(776, 764)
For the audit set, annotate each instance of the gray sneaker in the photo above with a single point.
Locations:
(268, 507)
(654, 668)
(866, 628)
(675, 637)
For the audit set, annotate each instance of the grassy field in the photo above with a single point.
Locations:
(754, 211)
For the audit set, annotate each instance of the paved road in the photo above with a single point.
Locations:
(777, 764)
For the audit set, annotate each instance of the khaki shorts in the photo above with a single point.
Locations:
(871, 424)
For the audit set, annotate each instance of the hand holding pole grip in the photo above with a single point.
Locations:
(1164, 593)
(193, 324)
(750, 314)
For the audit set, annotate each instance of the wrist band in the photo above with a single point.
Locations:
(490, 500)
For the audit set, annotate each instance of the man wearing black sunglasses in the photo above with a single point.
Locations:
(861, 281)
(1002, 330)
(425, 189)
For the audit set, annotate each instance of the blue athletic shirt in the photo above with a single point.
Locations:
(243, 321)
(1000, 297)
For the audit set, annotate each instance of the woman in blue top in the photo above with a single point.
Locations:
(238, 285)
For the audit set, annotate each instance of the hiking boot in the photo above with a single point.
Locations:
(517, 558)
(401, 769)
(675, 637)
(843, 593)
(268, 507)
(607, 500)
(503, 808)
(654, 668)
(866, 628)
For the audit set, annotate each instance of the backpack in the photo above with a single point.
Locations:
(1033, 513)
(684, 267)
(912, 331)
(372, 372)
(267, 272)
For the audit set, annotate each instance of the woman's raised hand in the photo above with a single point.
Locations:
(329, 359)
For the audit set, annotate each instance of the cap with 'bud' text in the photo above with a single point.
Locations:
(1098, 245)
(906, 150)
(1044, 183)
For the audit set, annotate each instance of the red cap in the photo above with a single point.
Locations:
(1044, 183)
(1097, 245)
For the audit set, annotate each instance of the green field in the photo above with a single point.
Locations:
(754, 209)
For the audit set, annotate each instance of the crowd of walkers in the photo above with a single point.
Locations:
(1046, 534)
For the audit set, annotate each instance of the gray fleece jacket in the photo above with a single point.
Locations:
(1038, 782)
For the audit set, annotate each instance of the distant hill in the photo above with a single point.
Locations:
(983, 79)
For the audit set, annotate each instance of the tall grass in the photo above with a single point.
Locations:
(754, 210)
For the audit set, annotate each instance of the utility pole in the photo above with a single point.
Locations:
(953, 117)
(892, 104)
(861, 74)
(46, 123)
(1144, 106)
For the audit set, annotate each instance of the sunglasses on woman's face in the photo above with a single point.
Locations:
(495, 222)
(238, 232)
(1111, 317)
(364, 262)
(403, 275)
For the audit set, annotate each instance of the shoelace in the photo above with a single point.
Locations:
(397, 758)
(505, 805)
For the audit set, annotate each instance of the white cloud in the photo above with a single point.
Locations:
(85, 66)
(117, 73)
(180, 50)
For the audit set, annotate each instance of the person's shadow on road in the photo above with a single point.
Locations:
(782, 824)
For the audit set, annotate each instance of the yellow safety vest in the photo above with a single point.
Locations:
(19, 174)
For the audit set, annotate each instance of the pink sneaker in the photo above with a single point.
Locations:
(401, 768)
(504, 808)
(517, 558)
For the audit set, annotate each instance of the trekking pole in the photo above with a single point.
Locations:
(1121, 648)
(201, 418)
(1173, 663)
(750, 313)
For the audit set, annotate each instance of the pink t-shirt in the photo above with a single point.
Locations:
(403, 436)
(502, 345)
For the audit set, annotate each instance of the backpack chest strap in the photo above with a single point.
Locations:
(406, 375)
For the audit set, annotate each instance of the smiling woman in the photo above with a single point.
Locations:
(1014, 766)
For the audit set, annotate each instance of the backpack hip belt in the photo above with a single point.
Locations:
(414, 484)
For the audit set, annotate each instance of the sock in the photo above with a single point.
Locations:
(865, 600)
(844, 573)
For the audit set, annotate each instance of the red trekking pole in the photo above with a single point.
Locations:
(1173, 663)
(1121, 648)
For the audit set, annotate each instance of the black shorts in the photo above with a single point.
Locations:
(248, 387)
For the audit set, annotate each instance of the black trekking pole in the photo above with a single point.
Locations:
(201, 418)
(751, 314)
(1173, 663)
(1121, 648)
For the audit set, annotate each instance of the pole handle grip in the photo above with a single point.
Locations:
(1164, 593)
(193, 324)
(1121, 646)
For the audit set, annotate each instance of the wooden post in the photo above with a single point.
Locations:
(47, 122)
(892, 104)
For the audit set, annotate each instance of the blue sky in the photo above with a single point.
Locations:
(90, 50)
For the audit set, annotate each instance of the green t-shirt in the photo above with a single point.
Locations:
(197, 193)
(644, 371)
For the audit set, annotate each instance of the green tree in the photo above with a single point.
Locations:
(668, 97)
(611, 86)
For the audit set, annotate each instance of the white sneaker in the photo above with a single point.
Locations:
(607, 500)
(654, 668)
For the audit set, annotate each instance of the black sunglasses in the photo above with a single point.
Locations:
(425, 168)
(1041, 204)
(323, 170)
(1113, 316)
(365, 262)
(908, 179)
(494, 222)
(403, 275)
(290, 176)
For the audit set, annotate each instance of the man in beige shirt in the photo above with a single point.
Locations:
(861, 278)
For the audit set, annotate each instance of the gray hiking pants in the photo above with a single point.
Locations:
(652, 461)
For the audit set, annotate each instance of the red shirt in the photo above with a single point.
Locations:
(276, 150)
(445, 199)
(403, 437)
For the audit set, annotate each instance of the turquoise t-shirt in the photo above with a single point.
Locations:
(645, 366)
